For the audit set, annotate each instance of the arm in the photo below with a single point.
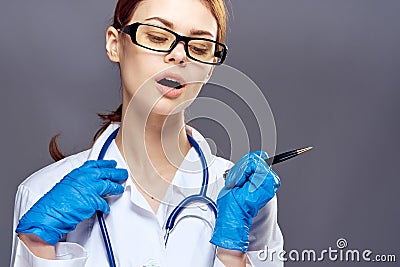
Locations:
(75, 198)
(38, 246)
(249, 186)
(231, 258)
(266, 233)
(69, 254)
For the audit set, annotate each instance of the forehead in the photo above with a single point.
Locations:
(186, 15)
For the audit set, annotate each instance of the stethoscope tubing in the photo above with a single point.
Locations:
(201, 197)
(170, 224)
(100, 217)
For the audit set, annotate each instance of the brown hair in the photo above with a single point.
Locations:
(123, 13)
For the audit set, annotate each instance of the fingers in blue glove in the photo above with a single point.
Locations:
(116, 175)
(97, 203)
(248, 165)
(106, 170)
(99, 175)
(99, 164)
(75, 198)
(111, 188)
(250, 185)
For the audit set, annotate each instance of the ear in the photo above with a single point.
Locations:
(112, 44)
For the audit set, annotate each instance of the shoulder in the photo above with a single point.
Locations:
(217, 167)
(220, 164)
(44, 179)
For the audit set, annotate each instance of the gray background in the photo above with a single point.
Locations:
(330, 70)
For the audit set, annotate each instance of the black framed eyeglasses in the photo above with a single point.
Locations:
(161, 39)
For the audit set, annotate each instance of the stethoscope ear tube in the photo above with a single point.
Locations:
(170, 224)
(199, 198)
(100, 218)
(106, 238)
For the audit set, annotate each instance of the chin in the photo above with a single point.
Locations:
(166, 106)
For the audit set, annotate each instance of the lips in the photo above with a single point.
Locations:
(170, 84)
(171, 79)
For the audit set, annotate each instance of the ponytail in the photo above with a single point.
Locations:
(107, 119)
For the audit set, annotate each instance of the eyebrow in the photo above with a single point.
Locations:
(169, 24)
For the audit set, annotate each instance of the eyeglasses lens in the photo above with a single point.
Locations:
(161, 40)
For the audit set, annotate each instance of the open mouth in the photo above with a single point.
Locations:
(170, 83)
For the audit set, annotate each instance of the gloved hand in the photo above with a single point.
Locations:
(249, 185)
(75, 198)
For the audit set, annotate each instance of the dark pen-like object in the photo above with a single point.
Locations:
(282, 157)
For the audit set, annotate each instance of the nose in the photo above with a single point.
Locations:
(177, 55)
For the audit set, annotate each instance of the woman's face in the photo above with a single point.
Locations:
(141, 68)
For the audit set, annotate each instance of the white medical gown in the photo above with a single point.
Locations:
(136, 232)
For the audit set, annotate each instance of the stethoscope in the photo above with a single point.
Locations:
(170, 224)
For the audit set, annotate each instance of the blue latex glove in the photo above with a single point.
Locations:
(249, 185)
(75, 198)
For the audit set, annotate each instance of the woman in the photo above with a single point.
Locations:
(59, 228)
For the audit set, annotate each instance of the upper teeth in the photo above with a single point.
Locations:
(172, 80)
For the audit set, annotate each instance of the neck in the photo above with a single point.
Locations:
(154, 146)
